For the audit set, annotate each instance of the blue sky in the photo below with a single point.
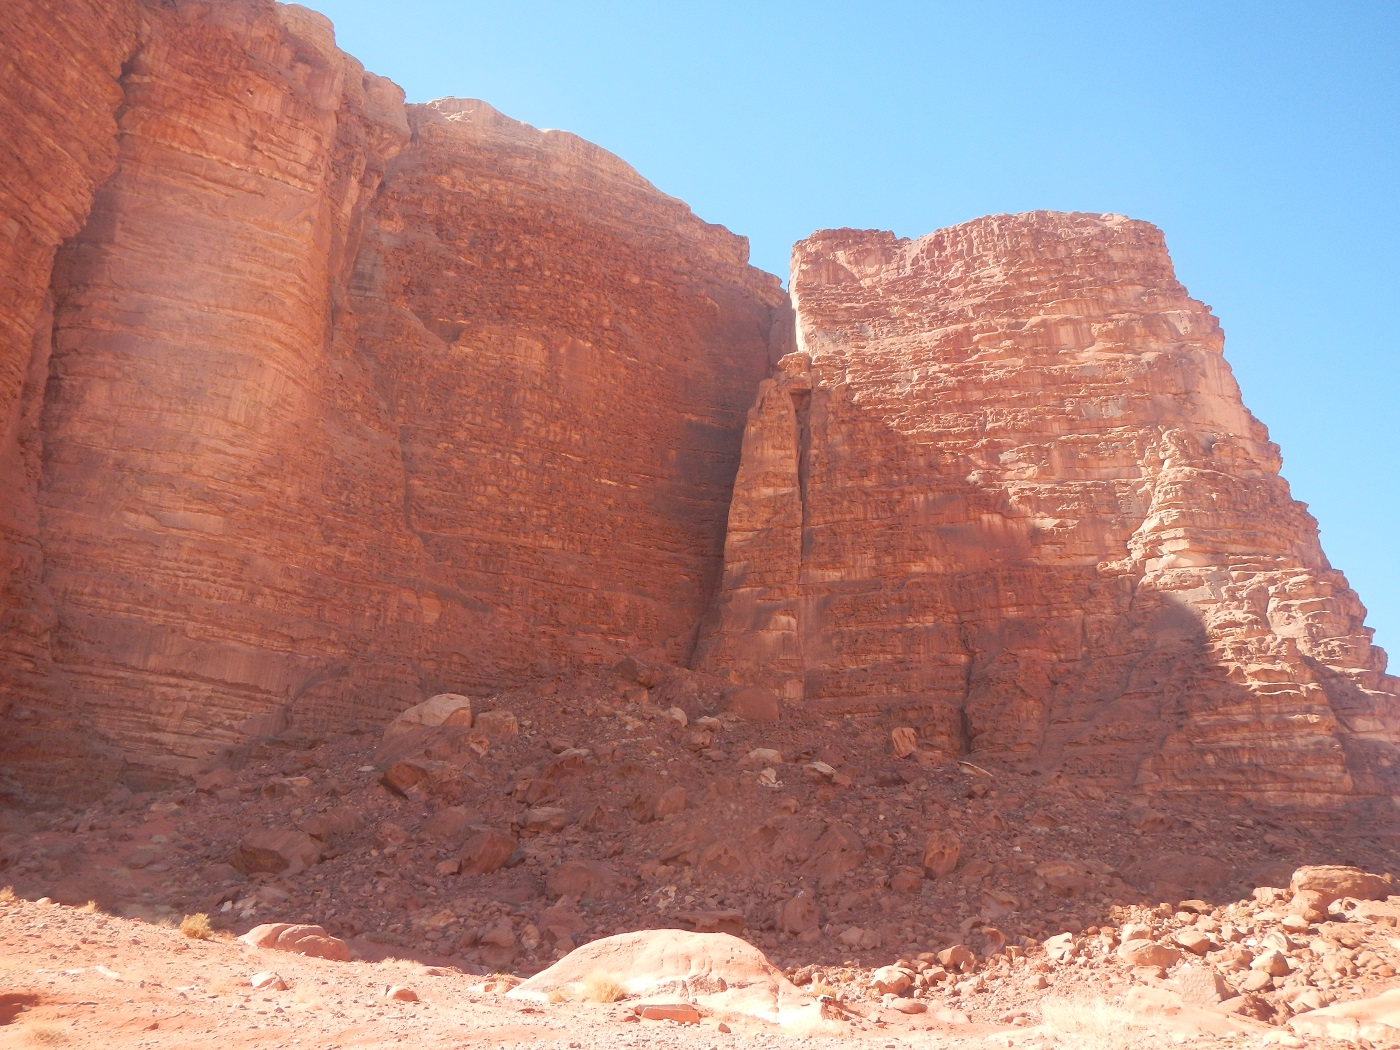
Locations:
(1263, 138)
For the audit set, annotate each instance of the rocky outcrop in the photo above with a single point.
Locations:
(320, 404)
(1006, 493)
(316, 405)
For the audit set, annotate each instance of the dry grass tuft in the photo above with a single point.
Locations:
(819, 988)
(90, 908)
(7, 895)
(1092, 1024)
(196, 926)
(601, 988)
(46, 1034)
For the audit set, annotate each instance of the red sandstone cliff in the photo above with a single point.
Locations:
(315, 403)
(1007, 493)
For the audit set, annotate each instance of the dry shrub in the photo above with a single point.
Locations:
(7, 895)
(90, 908)
(819, 988)
(601, 988)
(1092, 1024)
(196, 926)
(46, 1034)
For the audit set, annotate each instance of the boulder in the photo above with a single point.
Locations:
(445, 709)
(1333, 881)
(487, 851)
(302, 939)
(275, 851)
(711, 971)
(1143, 952)
(941, 852)
(754, 703)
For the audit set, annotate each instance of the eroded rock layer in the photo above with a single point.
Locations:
(1007, 492)
(316, 403)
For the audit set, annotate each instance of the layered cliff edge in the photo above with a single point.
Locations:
(1006, 493)
(316, 403)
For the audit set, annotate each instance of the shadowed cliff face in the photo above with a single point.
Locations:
(1007, 493)
(331, 401)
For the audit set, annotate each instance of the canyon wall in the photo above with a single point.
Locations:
(1006, 493)
(316, 403)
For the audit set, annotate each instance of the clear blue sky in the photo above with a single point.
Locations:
(1262, 137)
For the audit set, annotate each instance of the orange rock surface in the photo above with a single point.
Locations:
(335, 403)
(316, 405)
(1006, 492)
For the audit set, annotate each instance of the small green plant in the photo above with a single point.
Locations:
(196, 926)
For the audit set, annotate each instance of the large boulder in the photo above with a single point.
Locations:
(715, 971)
(274, 851)
(1334, 881)
(301, 938)
(445, 709)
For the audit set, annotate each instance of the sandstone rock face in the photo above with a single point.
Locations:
(61, 84)
(327, 404)
(1006, 492)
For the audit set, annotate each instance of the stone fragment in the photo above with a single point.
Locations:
(302, 939)
(587, 879)
(727, 920)
(1148, 953)
(1310, 905)
(402, 993)
(1334, 881)
(1061, 947)
(904, 741)
(275, 851)
(1202, 986)
(543, 819)
(268, 981)
(753, 703)
(215, 780)
(762, 756)
(958, 957)
(1194, 941)
(1272, 962)
(908, 1006)
(670, 802)
(907, 880)
(444, 709)
(338, 820)
(894, 980)
(1256, 981)
(681, 1013)
(797, 915)
(487, 851)
(496, 724)
(941, 852)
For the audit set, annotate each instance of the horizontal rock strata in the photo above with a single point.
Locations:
(326, 403)
(1007, 493)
